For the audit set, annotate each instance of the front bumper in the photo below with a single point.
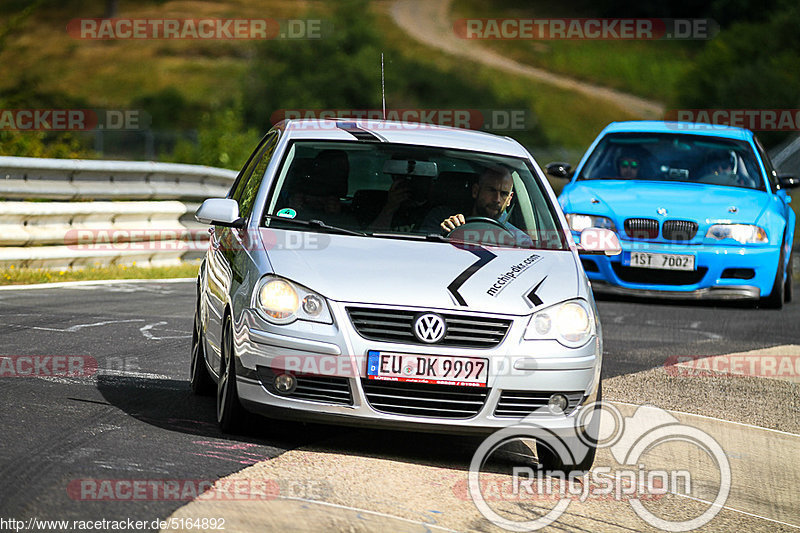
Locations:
(721, 272)
(330, 362)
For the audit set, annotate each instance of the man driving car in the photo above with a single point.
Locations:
(491, 195)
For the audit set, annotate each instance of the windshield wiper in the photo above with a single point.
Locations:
(412, 236)
(317, 224)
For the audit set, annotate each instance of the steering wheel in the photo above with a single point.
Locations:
(487, 221)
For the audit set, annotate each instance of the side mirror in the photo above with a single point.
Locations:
(558, 169)
(788, 181)
(599, 241)
(220, 212)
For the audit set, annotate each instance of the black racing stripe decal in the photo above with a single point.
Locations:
(484, 257)
(357, 132)
(532, 296)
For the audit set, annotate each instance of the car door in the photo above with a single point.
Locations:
(225, 245)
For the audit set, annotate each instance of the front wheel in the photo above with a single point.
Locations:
(229, 411)
(581, 450)
(777, 295)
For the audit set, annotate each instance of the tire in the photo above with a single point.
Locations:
(549, 460)
(230, 413)
(787, 288)
(776, 296)
(199, 379)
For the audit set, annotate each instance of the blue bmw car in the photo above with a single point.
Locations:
(699, 210)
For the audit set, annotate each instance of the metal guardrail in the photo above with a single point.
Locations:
(150, 220)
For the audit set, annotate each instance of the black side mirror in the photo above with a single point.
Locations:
(559, 169)
(788, 181)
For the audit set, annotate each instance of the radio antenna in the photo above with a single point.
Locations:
(383, 90)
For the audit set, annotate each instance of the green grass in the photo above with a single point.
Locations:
(651, 69)
(27, 276)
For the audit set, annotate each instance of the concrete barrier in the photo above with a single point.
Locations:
(150, 221)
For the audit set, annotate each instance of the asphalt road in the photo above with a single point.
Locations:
(134, 418)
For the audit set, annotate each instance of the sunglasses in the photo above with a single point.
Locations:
(632, 163)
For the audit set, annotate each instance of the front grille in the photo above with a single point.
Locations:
(518, 404)
(641, 228)
(323, 389)
(423, 399)
(396, 325)
(679, 230)
(657, 276)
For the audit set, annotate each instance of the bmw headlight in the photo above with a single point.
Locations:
(571, 323)
(282, 302)
(743, 233)
(578, 222)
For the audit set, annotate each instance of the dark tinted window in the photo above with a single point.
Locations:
(674, 157)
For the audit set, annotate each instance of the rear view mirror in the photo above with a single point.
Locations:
(599, 241)
(558, 169)
(410, 167)
(220, 212)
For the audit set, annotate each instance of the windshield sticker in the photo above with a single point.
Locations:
(485, 256)
(505, 279)
(286, 212)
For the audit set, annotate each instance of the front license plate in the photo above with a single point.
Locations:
(438, 369)
(660, 261)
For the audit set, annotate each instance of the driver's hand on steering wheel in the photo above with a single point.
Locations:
(451, 223)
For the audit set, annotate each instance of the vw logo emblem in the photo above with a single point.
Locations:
(661, 211)
(429, 328)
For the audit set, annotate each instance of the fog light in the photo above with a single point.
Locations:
(285, 383)
(558, 404)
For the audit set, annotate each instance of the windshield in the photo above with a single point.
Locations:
(674, 157)
(400, 191)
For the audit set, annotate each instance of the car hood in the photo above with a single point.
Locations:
(427, 274)
(690, 201)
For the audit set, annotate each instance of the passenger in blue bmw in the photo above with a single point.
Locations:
(707, 215)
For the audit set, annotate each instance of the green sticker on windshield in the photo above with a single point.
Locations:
(286, 212)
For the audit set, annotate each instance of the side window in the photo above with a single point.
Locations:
(250, 190)
(241, 180)
(772, 174)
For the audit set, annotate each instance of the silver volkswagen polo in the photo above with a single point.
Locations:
(395, 275)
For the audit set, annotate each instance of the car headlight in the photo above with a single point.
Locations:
(282, 302)
(743, 233)
(578, 222)
(571, 323)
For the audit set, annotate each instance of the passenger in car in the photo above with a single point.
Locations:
(407, 203)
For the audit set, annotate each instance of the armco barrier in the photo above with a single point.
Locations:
(160, 198)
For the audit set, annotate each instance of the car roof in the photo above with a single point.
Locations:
(693, 128)
(368, 130)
